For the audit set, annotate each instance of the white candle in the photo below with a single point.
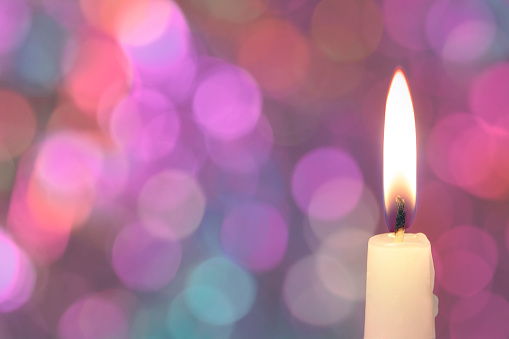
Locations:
(400, 273)
(399, 288)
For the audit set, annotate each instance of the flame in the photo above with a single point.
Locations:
(400, 155)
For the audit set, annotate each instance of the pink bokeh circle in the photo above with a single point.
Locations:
(483, 315)
(488, 96)
(327, 183)
(227, 102)
(468, 258)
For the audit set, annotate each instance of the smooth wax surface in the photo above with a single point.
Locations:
(399, 288)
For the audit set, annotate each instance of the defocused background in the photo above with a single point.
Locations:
(213, 169)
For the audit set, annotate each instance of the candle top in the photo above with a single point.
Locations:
(411, 240)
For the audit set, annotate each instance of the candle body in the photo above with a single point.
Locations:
(399, 288)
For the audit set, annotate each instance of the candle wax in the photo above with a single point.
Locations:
(399, 288)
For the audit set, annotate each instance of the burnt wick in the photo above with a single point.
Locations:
(400, 219)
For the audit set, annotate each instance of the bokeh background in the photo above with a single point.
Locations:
(213, 169)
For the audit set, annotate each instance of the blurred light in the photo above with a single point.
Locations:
(259, 323)
(460, 31)
(173, 199)
(57, 194)
(148, 323)
(15, 17)
(69, 163)
(10, 257)
(107, 16)
(500, 134)
(182, 324)
(94, 317)
(443, 134)
(67, 13)
(63, 187)
(436, 210)
(220, 292)
(308, 299)
(164, 57)
(291, 125)
(235, 11)
(462, 151)
(405, 22)
(464, 273)
(142, 22)
(194, 151)
(471, 239)
(255, 235)
(500, 47)
(245, 154)
(488, 98)
(190, 151)
(483, 315)
(176, 80)
(145, 124)
(66, 115)
(365, 216)
(336, 277)
(17, 124)
(95, 64)
(431, 76)
(345, 30)
(277, 55)
(139, 256)
(230, 188)
(374, 100)
(327, 183)
(7, 173)
(467, 258)
(474, 161)
(341, 261)
(328, 197)
(21, 286)
(114, 176)
(38, 60)
(44, 241)
(43, 234)
(210, 231)
(227, 103)
(272, 186)
(330, 79)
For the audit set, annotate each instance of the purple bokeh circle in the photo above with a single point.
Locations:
(255, 235)
(143, 261)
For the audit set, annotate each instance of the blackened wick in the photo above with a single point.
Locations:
(401, 214)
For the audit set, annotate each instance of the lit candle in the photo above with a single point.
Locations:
(400, 273)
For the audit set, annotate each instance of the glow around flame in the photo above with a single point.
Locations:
(400, 155)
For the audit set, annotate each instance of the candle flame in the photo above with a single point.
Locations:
(400, 155)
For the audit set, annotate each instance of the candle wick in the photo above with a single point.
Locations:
(400, 219)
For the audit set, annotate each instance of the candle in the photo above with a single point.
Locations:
(400, 273)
